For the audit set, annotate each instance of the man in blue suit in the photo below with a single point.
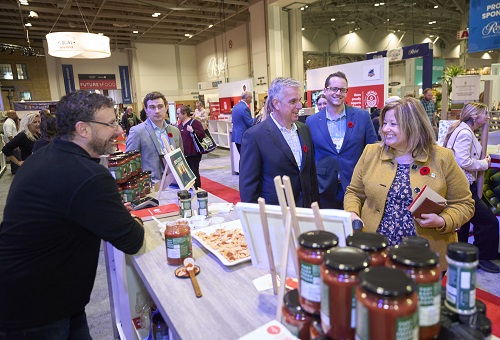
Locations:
(242, 119)
(340, 134)
(279, 145)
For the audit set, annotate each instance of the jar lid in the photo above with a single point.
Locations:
(183, 194)
(291, 303)
(367, 241)
(416, 241)
(318, 239)
(385, 281)
(346, 258)
(462, 252)
(148, 172)
(202, 194)
(413, 256)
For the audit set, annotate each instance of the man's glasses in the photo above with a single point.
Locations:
(337, 89)
(111, 125)
(152, 107)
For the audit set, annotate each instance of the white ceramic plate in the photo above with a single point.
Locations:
(208, 230)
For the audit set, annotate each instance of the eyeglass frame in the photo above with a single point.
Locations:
(111, 125)
(342, 90)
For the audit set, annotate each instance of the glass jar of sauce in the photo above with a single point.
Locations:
(178, 242)
(148, 182)
(130, 191)
(372, 243)
(339, 275)
(315, 330)
(312, 246)
(422, 265)
(116, 168)
(295, 319)
(462, 261)
(387, 305)
(137, 160)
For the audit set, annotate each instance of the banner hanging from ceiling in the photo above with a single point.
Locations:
(97, 81)
(484, 25)
(125, 81)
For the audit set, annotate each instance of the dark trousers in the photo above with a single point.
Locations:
(485, 228)
(194, 163)
(332, 200)
(71, 328)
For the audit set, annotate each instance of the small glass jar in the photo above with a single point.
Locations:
(202, 203)
(132, 163)
(339, 276)
(140, 181)
(372, 243)
(185, 203)
(127, 170)
(138, 160)
(115, 166)
(315, 330)
(462, 261)
(387, 305)
(130, 191)
(312, 246)
(422, 265)
(295, 319)
(178, 242)
(148, 182)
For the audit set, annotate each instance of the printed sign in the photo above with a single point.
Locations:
(97, 81)
(484, 25)
(69, 78)
(465, 88)
(125, 82)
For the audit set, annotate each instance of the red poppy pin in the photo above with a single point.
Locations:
(350, 125)
(304, 148)
(170, 135)
(425, 171)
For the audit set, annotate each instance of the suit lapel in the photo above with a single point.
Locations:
(349, 114)
(304, 142)
(154, 139)
(323, 127)
(278, 139)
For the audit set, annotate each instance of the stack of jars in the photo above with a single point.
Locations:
(368, 291)
(126, 169)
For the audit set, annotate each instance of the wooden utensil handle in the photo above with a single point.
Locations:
(196, 286)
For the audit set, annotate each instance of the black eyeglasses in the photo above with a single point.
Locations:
(336, 89)
(111, 125)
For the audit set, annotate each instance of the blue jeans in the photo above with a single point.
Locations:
(71, 328)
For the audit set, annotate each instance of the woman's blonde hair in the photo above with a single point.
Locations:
(469, 113)
(414, 125)
(27, 120)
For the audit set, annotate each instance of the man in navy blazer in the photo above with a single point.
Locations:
(279, 145)
(340, 134)
(241, 118)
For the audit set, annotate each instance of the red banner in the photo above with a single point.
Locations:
(97, 81)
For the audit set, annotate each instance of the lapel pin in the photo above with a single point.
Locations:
(414, 166)
(417, 190)
(433, 175)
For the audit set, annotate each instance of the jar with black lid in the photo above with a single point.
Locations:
(202, 202)
(372, 243)
(422, 265)
(339, 275)
(312, 246)
(185, 203)
(387, 305)
(415, 241)
(462, 261)
(295, 319)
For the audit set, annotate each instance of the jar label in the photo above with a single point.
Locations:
(325, 307)
(292, 328)
(310, 282)
(128, 195)
(186, 208)
(362, 322)
(407, 327)
(353, 307)
(461, 289)
(116, 172)
(179, 247)
(429, 303)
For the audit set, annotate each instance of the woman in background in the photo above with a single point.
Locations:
(201, 114)
(390, 174)
(29, 132)
(467, 151)
(47, 131)
(189, 126)
(321, 102)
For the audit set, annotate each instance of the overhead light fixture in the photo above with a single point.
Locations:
(376, 5)
(33, 14)
(302, 8)
(303, 29)
(332, 19)
(156, 14)
(28, 24)
(24, 2)
(210, 26)
(382, 3)
(436, 6)
(187, 35)
(135, 32)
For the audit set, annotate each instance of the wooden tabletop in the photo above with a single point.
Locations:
(230, 306)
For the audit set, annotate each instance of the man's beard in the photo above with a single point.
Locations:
(101, 146)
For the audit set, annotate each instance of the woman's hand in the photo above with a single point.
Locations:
(189, 128)
(354, 217)
(430, 221)
(488, 159)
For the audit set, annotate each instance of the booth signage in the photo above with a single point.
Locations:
(69, 78)
(125, 82)
(484, 25)
(413, 51)
(97, 81)
(464, 34)
(216, 67)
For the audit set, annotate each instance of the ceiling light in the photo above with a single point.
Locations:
(302, 8)
(376, 5)
(388, 19)
(187, 35)
(156, 15)
(135, 32)
(302, 29)
(28, 24)
(382, 3)
(78, 45)
(430, 22)
(33, 14)
(11, 51)
(436, 6)
(210, 26)
(306, 6)
(24, 2)
(332, 19)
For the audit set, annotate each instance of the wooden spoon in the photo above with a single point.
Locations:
(189, 264)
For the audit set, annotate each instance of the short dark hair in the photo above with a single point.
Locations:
(154, 95)
(79, 106)
(337, 74)
(186, 109)
(48, 126)
(427, 90)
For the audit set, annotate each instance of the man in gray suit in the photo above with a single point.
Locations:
(241, 118)
(147, 136)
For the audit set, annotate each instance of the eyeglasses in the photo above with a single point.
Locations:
(336, 89)
(152, 107)
(111, 125)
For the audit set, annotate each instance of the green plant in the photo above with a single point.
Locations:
(450, 72)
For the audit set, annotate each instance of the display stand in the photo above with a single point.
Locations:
(176, 170)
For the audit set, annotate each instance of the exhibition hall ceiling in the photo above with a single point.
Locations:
(190, 22)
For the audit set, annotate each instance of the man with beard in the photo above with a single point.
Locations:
(61, 203)
(280, 145)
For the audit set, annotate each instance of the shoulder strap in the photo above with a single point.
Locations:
(456, 136)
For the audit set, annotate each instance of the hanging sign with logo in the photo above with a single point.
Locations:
(125, 82)
(97, 81)
(464, 34)
(216, 67)
(69, 78)
(484, 25)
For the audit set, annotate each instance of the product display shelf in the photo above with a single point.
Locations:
(494, 120)
(220, 131)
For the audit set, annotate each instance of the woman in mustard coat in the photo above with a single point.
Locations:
(389, 175)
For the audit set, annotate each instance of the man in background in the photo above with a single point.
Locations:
(340, 134)
(148, 137)
(241, 118)
(61, 204)
(129, 119)
(279, 145)
(429, 106)
(9, 131)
